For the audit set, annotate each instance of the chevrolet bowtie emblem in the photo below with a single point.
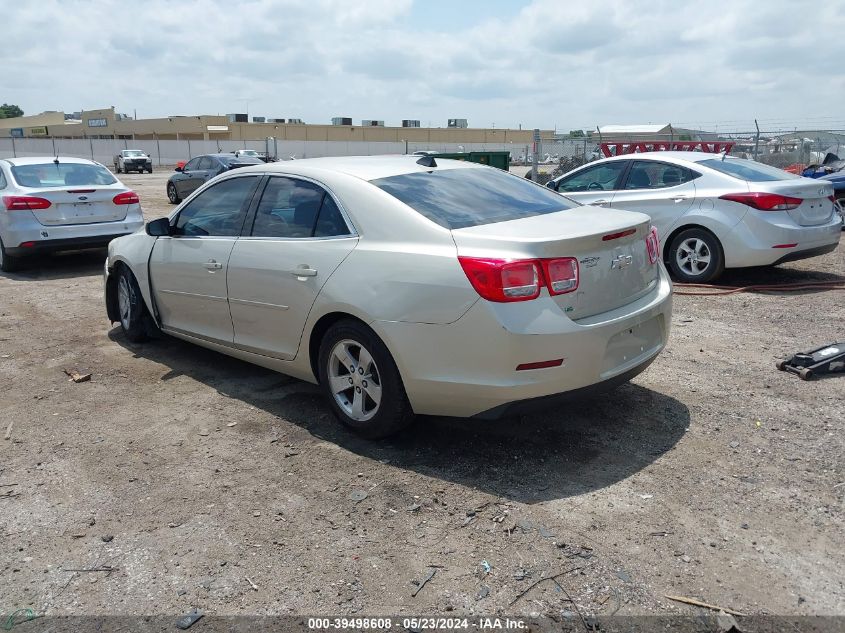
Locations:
(622, 261)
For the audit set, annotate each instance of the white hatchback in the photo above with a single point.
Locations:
(401, 285)
(713, 211)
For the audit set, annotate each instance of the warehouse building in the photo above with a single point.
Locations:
(105, 123)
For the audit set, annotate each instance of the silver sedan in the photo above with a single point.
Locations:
(713, 211)
(402, 285)
(56, 203)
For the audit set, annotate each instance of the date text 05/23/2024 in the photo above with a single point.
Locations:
(417, 623)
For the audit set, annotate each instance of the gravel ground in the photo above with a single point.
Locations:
(199, 480)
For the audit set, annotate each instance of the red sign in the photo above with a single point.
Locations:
(617, 148)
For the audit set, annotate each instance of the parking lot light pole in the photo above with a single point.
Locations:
(535, 155)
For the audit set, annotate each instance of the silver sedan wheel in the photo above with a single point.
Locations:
(124, 301)
(354, 380)
(693, 256)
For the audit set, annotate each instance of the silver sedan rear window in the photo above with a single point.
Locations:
(62, 175)
(747, 169)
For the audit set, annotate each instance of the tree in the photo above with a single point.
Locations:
(576, 134)
(9, 111)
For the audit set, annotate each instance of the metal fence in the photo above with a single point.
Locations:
(793, 149)
(170, 152)
(781, 148)
(552, 150)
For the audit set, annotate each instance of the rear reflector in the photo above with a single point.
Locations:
(25, 203)
(652, 245)
(616, 236)
(785, 245)
(127, 197)
(26, 244)
(543, 364)
(764, 201)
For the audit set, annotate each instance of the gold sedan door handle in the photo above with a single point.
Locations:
(303, 270)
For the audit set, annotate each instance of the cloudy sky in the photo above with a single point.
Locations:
(502, 63)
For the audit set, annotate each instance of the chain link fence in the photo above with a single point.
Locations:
(793, 150)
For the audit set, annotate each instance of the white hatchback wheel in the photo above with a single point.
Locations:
(354, 380)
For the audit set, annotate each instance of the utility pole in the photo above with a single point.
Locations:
(535, 155)
(756, 139)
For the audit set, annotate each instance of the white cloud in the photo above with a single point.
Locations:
(554, 63)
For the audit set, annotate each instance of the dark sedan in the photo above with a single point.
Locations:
(200, 169)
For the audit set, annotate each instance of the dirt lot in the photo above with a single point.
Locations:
(203, 481)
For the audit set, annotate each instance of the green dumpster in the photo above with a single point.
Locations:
(502, 160)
